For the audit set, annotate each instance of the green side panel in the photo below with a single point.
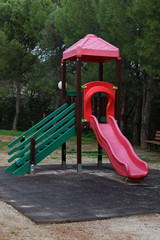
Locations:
(53, 146)
(47, 141)
(51, 136)
(61, 115)
(71, 94)
(103, 119)
(11, 168)
(55, 127)
(39, 124)
(74, 94)
(22, 169)
(55, 134)
(44, 153)
(43, 136)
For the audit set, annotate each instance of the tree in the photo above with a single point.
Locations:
(146, 15)
(133, 26)
(52, 46)
(75, 19)
(21, 23)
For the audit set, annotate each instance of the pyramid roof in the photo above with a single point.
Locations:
(92, 49)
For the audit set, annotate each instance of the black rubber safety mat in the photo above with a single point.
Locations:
(56, 195)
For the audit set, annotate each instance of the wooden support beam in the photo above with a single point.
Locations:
(32, 155)
(118, 94)
(63, 149)
(100, 114)
(100, 79)
(63, 82)
(79, 115)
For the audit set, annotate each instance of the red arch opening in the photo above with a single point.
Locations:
(96, 87)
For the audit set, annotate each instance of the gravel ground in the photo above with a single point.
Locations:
(14, 225)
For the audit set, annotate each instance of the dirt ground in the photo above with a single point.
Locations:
(15, 226)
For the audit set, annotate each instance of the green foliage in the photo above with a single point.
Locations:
(148, 38)
(30, 109)
(132, 26)
(34, 34)
(75, 19)
(21, 22)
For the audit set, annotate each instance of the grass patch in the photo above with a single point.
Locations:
(87, 136)
(10, 132)
(84, 138)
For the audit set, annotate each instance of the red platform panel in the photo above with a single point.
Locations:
(98, 87)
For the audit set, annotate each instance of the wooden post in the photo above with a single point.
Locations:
(63, 153)
(63, 81)
(100, 79)
(78, 115)
(32, 155)
(118, 84)
(100, 114)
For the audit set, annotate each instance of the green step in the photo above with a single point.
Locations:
(44, 153)
(51, 136)
(43, 128)
(49, 139)
(44, 135)
(39, 124)
(53, 146)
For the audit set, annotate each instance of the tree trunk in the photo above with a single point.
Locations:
(146, 110)
(137, 122)
(123, 118)
(43, 109)
(15, 121)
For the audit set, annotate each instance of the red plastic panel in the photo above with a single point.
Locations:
(97, 87)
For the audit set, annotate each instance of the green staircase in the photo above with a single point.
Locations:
(50, 133)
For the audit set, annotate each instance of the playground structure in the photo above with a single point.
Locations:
(68, 120)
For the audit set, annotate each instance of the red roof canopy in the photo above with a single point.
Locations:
(92, 49)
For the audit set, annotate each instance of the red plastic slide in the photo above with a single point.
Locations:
(118, 148)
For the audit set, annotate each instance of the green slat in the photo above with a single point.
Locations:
(43, 121)
(44, 135)
(19, 154)
(62, 139)
(46, 126)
